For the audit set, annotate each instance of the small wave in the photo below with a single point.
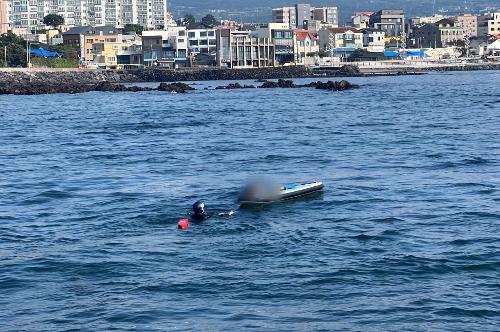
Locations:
(460, 312)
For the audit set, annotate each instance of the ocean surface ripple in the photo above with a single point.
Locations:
(405, 237)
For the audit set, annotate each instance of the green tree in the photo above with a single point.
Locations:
(15, 47)
(209, 21)
(66, 51)
(137, 28)
(53, 20)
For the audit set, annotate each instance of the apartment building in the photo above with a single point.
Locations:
(469, 24)
(361, 20)
(443, 33)
(283, 40)
(243, 49)
(373, 40)
(392, 22)
(83, 38)
(4, 16)
(494, 25)
(148, 13)
(165, 48)
(201, 41)
(304, 16)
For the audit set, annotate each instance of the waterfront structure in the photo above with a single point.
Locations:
(304, 16)
(306, 45)
(201, 41)
(494, 25)
(243, 49)
(283, 40)
(450, 32)
(83, 38)
(165, 48)
(361, 20)
(340, 41)
(373, 40)
(392, 22)
(444, 33)
(148, 13)
(4, 16)
(124, 51)
(468, 23)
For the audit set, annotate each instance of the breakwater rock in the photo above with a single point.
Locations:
(41, 88)
(289, 84)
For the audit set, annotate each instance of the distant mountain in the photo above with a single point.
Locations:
(260, 10)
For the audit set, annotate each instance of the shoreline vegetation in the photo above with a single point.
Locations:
(46, 81)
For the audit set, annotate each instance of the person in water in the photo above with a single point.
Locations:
(200, 214)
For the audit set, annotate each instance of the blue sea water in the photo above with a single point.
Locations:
(405, 237)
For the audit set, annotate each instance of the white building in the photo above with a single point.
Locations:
(302, 15)
(148, 13)
(201, 41)
(373, 40)
(165, 48)
(494, 25)
(4, 16)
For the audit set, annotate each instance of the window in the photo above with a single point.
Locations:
(211, 33)
(182, 33)
(203, 34)
(180, 40)
(191, 34)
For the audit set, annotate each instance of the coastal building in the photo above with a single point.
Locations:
(341, 41)
(124, 51)
(468, 22)
(148, 13)
(84, 37)
(494, 25)
(4, 16)
(305, 16)
(361, 20)
(373, 40)
(482, 25)
(392, 22)
(201, 41)
(450, 32)
(283, 40)
(421, 20)
(242, 49)
(444, 33)
(165, 48)
(306, 45)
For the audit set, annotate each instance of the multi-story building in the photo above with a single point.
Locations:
(148, 13)
(303, 16)
(361, 20)
(242, 49)
(421, 20)
(165, 48)
(482, 25)
(306, 43)
(120, 52)
(285, 15)
(494, 25)
(201, 41)
(444, 33)
(326, 15)
(468, 23)
(4, 16)
(373, 40)
(392, 22)
(340, 41)
(283, 40)
(83, 38)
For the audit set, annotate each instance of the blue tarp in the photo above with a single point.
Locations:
(44, 53)
(391, 54)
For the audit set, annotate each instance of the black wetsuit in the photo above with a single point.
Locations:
(200, 216)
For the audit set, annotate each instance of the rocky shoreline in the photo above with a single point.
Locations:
(177, 87)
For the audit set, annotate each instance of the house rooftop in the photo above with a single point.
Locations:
(90, 30)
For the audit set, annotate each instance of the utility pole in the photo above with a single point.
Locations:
(5, 55)
(467, 45)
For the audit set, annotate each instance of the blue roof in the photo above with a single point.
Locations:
(44, 53)
(391, 54)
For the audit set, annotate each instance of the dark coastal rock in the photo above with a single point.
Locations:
(281, 83)
(331, 85)
(175, 87)
(232, 86)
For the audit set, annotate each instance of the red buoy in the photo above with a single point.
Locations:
(183, 224)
